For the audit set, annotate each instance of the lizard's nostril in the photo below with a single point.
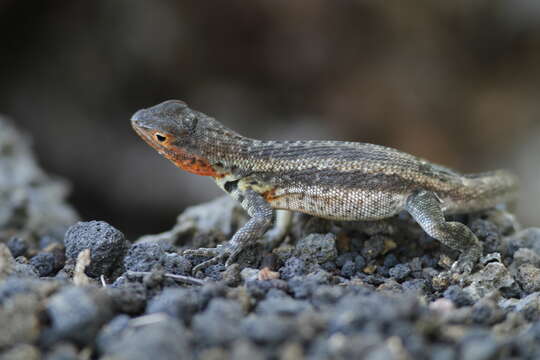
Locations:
(137, 117)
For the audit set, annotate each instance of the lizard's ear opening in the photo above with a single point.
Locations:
(189, 121)
(159, 137)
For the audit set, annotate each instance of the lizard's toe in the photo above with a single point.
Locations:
(217, 254)
(207, 263)
(205, 252)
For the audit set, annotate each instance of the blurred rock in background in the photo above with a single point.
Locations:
(455, 82)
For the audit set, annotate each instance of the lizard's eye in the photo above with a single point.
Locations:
(160, 138)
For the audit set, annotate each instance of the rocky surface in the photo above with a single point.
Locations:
(332, 290)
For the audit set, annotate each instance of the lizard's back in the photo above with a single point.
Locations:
(360, 181)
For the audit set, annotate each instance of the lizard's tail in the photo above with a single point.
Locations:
(485, 190)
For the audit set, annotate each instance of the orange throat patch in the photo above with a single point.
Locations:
(192, 163)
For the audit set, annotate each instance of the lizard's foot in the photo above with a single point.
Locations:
(465, 263)
(218, 254)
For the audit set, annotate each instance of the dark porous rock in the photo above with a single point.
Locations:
(48, 263)
(400, 271)
(293, 266)
(528, 276)
(479, 347)
(7, 262)
(458, 296)
(19, 316)
(62, 351)
(17, 246)
(32, 202)
(317, 248)
(107, 246)
(21, 352)
(283, 305)
(144, 255)
(303, 286)
(246, 350)
(526, 256)
(130, 298)
(494, 276)
(528, 238)
(348, 269)
(487, 312)
(149, 337)
(175, 264)
(179, 303)
(76, 314)
(419, 286)
(529, 306)
(219, 323)
(374, 246)
(345, 257)
(488, 233)
(268, 329)
(110, 333)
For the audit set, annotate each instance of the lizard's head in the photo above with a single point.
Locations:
(175, 131)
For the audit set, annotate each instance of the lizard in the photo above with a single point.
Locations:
(335, 180)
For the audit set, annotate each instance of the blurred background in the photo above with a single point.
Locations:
(456, 82)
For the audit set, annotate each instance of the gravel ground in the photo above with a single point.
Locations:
(332, 290)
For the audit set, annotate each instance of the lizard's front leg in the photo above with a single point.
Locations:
(261, 217)
(425, 208)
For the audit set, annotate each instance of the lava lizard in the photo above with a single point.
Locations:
(329, 179)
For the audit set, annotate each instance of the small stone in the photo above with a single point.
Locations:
(249, 274)
(390, 260)
(488, 233)
(178, 303)
(360, 262)
(293, 266)
(19, 316)
(527, 238)
(144, 255)
(491, 257)
(149, 337)
(63, 351)
(231, 275)
(267, 329)
(77, 314)
(110, 333)
(129, 298)
(458, 296)
(343, 258)
(17, 246)
(7, 263)
(107, 245)
(374, 246)
(400, 271)
(285, 306)
(348, 269)
(481, 348)
(267, 274)
(442, 306)
(218, 324)
(317, 248)
(21, 352)
(494, 276)
(528, 276)
(526, 256)
(47, 264)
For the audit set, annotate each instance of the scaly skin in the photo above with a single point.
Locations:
(330, 179)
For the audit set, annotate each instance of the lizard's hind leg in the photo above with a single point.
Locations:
(425, 208)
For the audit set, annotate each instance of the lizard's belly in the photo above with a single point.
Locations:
(336, 203)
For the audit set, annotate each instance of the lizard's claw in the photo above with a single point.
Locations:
(217, 254)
